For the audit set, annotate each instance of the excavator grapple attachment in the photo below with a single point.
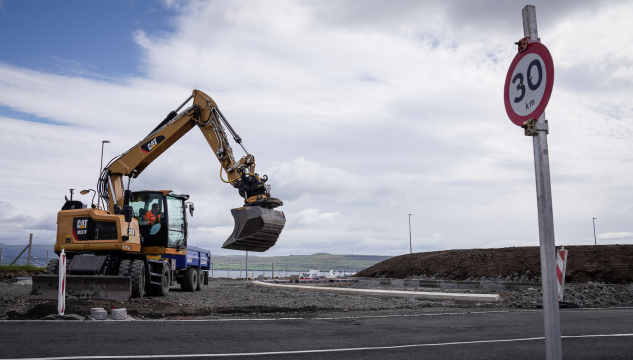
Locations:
(256, 229)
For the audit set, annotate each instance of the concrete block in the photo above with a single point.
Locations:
(119, 314)
(98, 313)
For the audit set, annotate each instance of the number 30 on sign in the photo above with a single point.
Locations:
(529, 83)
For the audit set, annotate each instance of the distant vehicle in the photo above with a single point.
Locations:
(312, 275)
(341, 275)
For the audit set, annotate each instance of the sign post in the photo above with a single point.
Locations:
(527, 91)
(61, 294)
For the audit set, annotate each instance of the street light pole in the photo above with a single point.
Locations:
(595, 241)
(101, 166)
(410, 246)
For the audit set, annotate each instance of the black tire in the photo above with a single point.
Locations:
(200, 279)
(189, 280)
(124, 267)
(52, 267)
(137, 272)
(163, 289)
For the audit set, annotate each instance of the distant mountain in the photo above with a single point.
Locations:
(38, 254)
(319, 261)
(37, 250)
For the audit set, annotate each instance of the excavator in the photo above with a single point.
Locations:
(133, 243)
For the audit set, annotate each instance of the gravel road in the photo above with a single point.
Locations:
(239, 298)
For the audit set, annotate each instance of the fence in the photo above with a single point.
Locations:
(24, 257)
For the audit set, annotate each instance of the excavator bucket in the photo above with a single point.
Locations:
(256, 229)
(83, 287)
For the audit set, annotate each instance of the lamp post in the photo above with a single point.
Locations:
(595, 241)
(410, 245)
(101, 166)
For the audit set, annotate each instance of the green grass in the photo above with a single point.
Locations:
(18, 268)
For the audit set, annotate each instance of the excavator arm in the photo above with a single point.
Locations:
(257, 226)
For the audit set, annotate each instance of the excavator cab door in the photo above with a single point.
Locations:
(149, 209)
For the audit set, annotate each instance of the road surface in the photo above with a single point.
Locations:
(453, 334)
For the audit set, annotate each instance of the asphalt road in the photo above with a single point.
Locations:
(449, 335)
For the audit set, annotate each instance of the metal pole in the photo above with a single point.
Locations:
(247, 265)
(410, 245)
(28, 259)
(46, 257)
(553, 349)
(595, 241)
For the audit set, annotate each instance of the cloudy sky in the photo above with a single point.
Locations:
(360, 113)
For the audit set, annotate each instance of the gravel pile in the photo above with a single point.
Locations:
(238, 298)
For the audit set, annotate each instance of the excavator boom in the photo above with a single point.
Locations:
(257, 225)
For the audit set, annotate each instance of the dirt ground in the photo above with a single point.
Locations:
(610, 264)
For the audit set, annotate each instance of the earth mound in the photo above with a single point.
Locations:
(611, 264)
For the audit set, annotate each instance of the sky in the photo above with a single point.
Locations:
(359, 112)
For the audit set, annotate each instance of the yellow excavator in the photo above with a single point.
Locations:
(137, 241)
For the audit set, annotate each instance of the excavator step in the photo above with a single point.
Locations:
(83, 287)
(256, 229)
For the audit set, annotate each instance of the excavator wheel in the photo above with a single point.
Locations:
(137, 272)
(200, 279)
(163, 288)
(190, 280)
(256, 229)
(52, 267)
(124, 267)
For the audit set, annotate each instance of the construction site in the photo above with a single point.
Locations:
(354, 180)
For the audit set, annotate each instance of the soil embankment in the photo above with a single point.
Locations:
(611, 264)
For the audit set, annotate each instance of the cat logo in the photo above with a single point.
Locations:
(152, 144)
(131, 232)
(148, 146)
(82, 224)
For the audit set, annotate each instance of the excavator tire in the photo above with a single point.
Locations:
(124, 267)
(137, 273)
(52, 267)
(163, 288)
(256, 229)
(190, 280)
(200, 279)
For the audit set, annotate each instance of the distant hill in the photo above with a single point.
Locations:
(319, 261)
(38, 253)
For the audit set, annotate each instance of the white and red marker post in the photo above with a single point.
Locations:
(61, 294)
(527, 91)
(561, 267)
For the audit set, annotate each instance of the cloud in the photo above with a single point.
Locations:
(16, 227)
(359, 113)
(616, 236)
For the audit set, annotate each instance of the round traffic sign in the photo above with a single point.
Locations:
(529, 83)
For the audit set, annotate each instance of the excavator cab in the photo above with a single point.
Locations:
(162, 218)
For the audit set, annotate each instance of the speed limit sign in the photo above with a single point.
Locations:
(529, 83)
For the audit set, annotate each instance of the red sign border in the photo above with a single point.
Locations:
(541, 50)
